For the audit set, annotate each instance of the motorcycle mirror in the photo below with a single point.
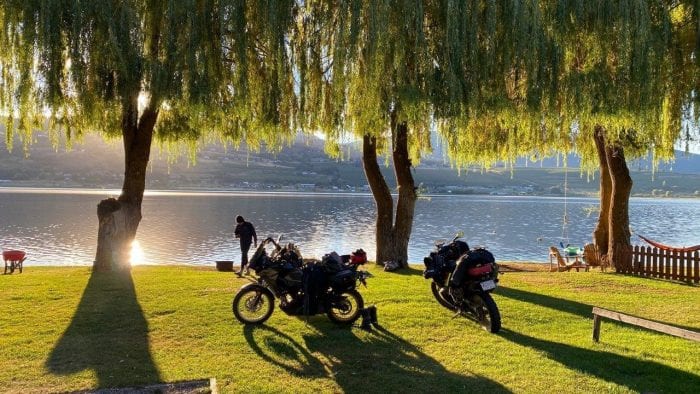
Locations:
(459, 234)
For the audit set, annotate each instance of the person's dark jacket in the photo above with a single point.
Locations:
(246, 232)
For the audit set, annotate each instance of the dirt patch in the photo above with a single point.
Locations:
(510, 266)
(187, 387)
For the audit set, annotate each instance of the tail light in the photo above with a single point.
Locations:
(479, 271)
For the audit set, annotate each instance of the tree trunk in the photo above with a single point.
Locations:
(382, 199)
(392, 234)
(119, 218)
(600, 234)
(406, 203)
(619, 247)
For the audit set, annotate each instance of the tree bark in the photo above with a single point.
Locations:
(619, 246)
(405, 206)
(601, 232)
(382, 199)
(392, 233)
(119, 218)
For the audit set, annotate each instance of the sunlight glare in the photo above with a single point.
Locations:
(137, 257)
(143, 100)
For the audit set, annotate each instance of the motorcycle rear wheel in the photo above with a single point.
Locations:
(346, 308)
(486, 310)
(440, 299)
(253, 305)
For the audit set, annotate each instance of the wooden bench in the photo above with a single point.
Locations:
(638, 321)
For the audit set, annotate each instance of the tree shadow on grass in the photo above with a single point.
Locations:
(635, 374)
(564, 305)
(678, 282)
(410, 270)
(108, 334)
(280, 349)
(560, 304)
(378, 362)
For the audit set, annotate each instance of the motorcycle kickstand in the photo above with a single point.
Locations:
(459, 312)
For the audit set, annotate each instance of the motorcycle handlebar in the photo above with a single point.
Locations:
(440, 242)
(272, 241)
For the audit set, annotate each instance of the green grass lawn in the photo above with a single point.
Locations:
(63, 329)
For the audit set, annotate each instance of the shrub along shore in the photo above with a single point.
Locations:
(65, 329)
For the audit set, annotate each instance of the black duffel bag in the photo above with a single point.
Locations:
(472, 258)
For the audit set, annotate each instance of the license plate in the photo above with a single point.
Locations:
(488, 285)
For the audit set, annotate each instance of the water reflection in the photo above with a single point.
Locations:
(59, 228)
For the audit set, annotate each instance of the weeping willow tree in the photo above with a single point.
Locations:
(144, 70)
(632, 71)
(499, 80)
(620, 78)
(387, 72)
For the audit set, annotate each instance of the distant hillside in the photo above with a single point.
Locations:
(684, 163)
(305, 166)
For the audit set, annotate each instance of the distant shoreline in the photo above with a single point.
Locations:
(506, 266)
(252, 192)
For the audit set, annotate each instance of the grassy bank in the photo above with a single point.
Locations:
(64, 329)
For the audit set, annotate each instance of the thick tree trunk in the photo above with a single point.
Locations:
(392, 234)
(406, 203)
(119, 218)
(601, 232)
(619, 247)
(382, 199)
(118, 222)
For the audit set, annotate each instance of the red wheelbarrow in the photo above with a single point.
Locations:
(13, 260)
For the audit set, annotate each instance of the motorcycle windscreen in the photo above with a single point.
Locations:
(255, 262)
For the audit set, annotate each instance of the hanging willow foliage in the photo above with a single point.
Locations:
(213, 68)
(627, 65)
(498, 79)
(629, 69)
(501, 79)
(359, 60)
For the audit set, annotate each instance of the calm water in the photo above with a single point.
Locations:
(59, 227)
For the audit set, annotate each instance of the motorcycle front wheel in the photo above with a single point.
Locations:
(345, 308)
(486, 312)
(253, 305)
(440, 299)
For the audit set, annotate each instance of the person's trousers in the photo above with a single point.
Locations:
(245, 247)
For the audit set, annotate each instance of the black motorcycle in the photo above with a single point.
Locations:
(303, 289)
(463, 279)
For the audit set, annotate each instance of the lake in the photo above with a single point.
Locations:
(59, 227)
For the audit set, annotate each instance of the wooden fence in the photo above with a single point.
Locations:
(665, 264)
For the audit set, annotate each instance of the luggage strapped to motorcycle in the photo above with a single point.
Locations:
(331, 263)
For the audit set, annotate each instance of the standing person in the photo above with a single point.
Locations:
(245, 232)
